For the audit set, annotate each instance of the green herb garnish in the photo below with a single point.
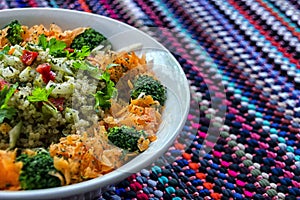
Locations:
(103, 96)
(56, 47)
(5, 110)
(40, 94)
(79, 54)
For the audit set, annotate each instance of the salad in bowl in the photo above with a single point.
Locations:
(72, 109)
(85, 102)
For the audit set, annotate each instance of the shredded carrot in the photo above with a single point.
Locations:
(145, 101)
(125, 61)
(84, 157)
(3, 40)
(143, 144)
(32, 34)
(129, 60)
(11, 51)
(9, 171)
(141, 113)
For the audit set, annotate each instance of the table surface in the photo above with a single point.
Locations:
(242, 60)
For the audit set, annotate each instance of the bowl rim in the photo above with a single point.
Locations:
(100, 182)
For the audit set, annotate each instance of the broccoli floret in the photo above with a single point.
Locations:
(90, 37)
(37, 171)
(14, 32)
(149, 86)
(125, 137)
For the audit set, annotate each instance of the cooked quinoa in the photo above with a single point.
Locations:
(39, 128)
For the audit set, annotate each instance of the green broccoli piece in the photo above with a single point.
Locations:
(90, 37)
(125, 137)
(37, 171)
(14, 32)
(149, 86)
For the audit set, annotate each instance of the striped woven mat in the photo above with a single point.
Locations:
(241, 139)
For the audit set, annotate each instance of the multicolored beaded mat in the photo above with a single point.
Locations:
(242, 136)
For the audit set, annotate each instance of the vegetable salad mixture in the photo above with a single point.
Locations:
(71, 108)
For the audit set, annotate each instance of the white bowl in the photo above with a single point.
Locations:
(166, 68)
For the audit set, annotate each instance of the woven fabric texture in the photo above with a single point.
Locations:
(251, 48)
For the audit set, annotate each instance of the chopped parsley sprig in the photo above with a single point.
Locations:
(4, 52)
(7, 112)
(59, 48)
(40, 94)
(79, 54)
(103, 96)
(56, 47)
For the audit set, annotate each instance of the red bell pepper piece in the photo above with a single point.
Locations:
(45, 70)
(28, 57)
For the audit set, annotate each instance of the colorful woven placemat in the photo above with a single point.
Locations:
(252, 49)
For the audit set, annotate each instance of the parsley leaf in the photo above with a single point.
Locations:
(4, 51)
(94, 71)
(102, 97)
(43, 42)
(56, 47)
(84, 52)
(5, 95)
(80, 65)
(79, 54)
(40, 94)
